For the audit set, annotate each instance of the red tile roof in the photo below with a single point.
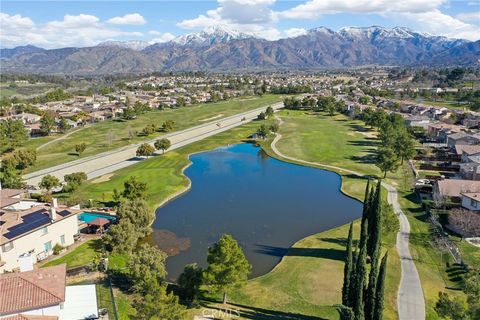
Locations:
(30, 317)
(32, 289)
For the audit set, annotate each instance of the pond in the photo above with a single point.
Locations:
(266, 204)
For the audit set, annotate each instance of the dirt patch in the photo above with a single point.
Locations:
(212, 118)
(103, 178)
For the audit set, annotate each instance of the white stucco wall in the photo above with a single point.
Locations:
(47, 311)
(35, 242)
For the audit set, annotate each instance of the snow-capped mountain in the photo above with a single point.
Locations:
(210, 36)
(219, 48)
(136, 45)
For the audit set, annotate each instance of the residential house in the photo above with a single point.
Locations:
(471, 200)
(464, 151)
(440, 131)
(452, 188)
(42, 294)
(98, 116)
(27, 118)
(30, 228)
(417, 121)
(462, 138)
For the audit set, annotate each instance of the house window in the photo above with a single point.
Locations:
(7, 247)
(62, 239)
(473, 203)
(44, 231)
(47, 246)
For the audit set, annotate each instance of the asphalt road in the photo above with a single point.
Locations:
(107, 162)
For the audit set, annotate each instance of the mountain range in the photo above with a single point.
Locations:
(222, 49)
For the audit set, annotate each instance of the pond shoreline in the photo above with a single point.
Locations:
(265, 238)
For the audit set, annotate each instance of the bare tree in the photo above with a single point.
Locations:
(110, 137)
(466, 221)
(441, 244)
(439, 200)
(131, 133)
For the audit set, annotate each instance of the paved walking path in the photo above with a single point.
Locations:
(410, 300)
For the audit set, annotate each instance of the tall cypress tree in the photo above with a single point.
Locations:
(366, 201)
(380, 290)
(348, 268)
(370, 295)
(353, 279)
(375, 222)
(360, 275)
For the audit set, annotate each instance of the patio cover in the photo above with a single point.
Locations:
(80, 303)
(99, 222)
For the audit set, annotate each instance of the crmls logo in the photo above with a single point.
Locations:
(219, 314)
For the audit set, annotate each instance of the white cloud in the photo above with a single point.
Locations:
(469, 17)
(16, 20)
(438, 23)
(425, 15)
(73, 30)
(250, 16)
(295, 32)
(161, 37)
(315, 8)
(130, 19)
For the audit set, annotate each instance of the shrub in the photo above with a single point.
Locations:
(57, 249)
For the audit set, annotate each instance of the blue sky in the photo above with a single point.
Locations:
(53, 24)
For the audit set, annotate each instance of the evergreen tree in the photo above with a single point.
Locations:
(380, 290)
(366, 201)
(360, 275)
(375, 222)
(347, 271)
(370, 295)
(352, 281)
(227, 265)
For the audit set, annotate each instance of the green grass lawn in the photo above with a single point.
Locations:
(307, 281)
(430, 264)
(34, 143)
(25, 90)
(104, 298)
(80, 256)
(94, 136)
(336, 140)
(447, 104)
(470, 253)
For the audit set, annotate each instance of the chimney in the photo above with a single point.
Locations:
(53, 211)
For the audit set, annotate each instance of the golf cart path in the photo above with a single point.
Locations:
(410, 299)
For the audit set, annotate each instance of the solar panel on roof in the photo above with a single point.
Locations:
(30, 222)
(64, 213)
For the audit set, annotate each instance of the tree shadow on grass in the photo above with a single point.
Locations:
(366, 159)
(120, 280)
(339, 241)
(359, 128)
(332, 254)
(363, 143)
(255, 313)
